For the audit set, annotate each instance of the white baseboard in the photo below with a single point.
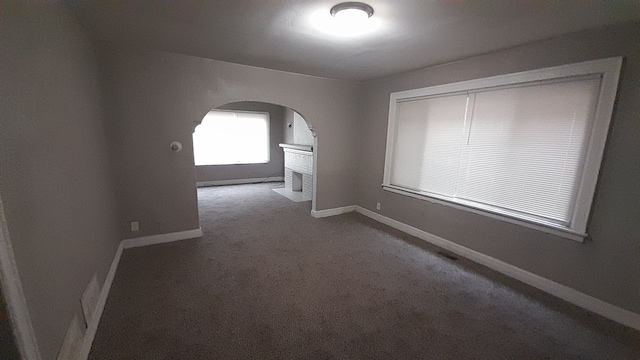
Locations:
(332, 212)
(161, 238)
(566, 293)
(92, 327)
(239, 181)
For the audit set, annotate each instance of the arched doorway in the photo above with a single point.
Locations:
(235, 131)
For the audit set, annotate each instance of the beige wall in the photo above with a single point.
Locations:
(54, 176)
(156, 97)
(605, 267)
(275, 166)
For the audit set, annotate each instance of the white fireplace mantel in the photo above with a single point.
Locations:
(299, 147)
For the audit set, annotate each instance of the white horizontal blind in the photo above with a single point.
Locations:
(526, 145)
(427, 148)
(517, 150)
(227, 137)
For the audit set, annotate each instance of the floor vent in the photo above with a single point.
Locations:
(448, 255)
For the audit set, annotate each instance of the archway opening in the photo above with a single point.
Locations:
(252, 142)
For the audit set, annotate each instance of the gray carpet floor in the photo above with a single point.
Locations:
(268, 281)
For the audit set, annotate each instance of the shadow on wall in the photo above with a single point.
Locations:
(230, 145)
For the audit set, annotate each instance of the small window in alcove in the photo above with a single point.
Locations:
(232, 137)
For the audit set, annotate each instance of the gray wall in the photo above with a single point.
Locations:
(605, 267)
(275, 166)
(288, 130)
(296, 130)
(54, 174)
(301, 132)
(155, 99)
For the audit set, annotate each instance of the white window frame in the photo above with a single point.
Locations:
(608, 69)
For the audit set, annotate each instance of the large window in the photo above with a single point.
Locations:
(232, 137)
(524, 148)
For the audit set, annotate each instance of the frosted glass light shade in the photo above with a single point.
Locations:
(351, 15)
(352, 11)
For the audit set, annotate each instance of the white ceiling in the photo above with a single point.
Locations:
(285, 34)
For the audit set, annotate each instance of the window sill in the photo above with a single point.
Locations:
(553, 229)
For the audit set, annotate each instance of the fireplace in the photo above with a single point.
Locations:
(298, 172)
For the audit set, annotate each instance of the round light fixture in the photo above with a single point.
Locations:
(352, 11)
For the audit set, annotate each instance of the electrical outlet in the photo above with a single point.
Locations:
(135, 226)
(377, 206)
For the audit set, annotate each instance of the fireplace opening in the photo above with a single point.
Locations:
(296, 181)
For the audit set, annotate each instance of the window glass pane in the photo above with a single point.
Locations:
(226, 137)
(526, 145)
(427, 148)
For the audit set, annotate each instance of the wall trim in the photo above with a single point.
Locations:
(161, 238)
(25, 336)
(566, 293)
(92, 327)
(240, 181)
(332, 212)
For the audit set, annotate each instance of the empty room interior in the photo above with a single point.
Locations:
(321, 180)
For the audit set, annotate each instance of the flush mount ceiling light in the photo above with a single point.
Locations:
(346, 21)
(350, 19)
(352, 11)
